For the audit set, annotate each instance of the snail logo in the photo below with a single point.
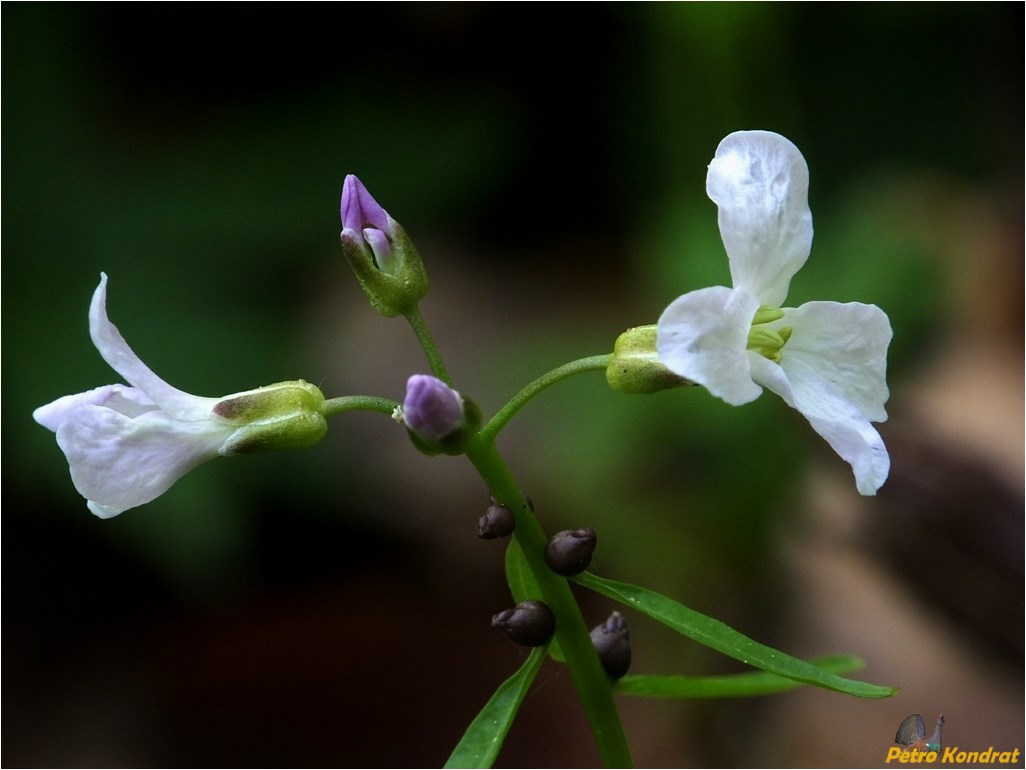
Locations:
(914, 748)
(912, 733)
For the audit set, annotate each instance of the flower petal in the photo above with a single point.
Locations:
(128, 401)
(703, 335)
(760, 182)
(833, 417)
(119, 462)
(124, 361)
(845, 344)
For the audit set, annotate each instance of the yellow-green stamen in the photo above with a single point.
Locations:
(768, 342)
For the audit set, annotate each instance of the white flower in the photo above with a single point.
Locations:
(826, 359)
(128, 445)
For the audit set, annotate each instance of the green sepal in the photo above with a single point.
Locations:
(635, 366)
(285, 415)
(397, 290)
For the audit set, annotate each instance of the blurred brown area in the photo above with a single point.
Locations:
(331, 608)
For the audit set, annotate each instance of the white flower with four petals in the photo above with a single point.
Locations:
(826, 359)
(127, 445)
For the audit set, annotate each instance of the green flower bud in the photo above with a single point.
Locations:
(636, 368)
(286, 415)
(382, 255)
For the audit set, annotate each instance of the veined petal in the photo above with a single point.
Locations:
(127, 401)
(703, 335)
(760, 182)
(832, 416)
(119, 462)
(124, 361)
(846, 345)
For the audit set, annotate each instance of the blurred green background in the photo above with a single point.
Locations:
(331, 607)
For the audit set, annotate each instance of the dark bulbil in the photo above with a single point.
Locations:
(569, 552)
(498, 521)
(612, 643)
(531, 623)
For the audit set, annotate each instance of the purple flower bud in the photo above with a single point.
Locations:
(531, 623)
(612, 643)
(362, 215)
(432, 410)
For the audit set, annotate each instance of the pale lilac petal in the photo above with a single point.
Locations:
(846, 345)
(119, 462)
(124, 361)
(359, 210)
(703, 335)
(431, 409)
(127, 401)
(760, 182)
(841, 423)
(381, 247)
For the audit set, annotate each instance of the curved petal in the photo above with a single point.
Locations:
(128, 401)
(703, 335)
(118, 462)
(124, 361)
(846, 345)
(760, 182)
(837, 420)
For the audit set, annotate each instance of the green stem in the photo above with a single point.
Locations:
(590, 678)
(335, 406)
(589, 364)
(427, 342)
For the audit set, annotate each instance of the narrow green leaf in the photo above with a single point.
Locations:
(523, 586)
(730, 686)
(480, 744)
(722, 638)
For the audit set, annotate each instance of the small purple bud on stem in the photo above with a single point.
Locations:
(498, 521)
(531, 623)
(432, 410)
(612, 643)
(569, 552)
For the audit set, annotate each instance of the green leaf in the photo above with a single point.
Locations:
(480, 744)
(523, 586)
(722, 638)
(730, 686)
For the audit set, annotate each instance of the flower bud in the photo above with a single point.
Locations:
(382, 255)
(531, 623)
(635, 367)
(498, 521)
(612, 643)
(286, 415)
(569, 552)
(437, 417)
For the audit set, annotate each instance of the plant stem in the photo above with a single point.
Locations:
(590, 678)
(427, 342)
(333, 406)
(591, 363)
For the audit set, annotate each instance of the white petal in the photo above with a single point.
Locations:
(846, 345)
(837, 420)
(702, 336)
(760, 182)
(118, 462)
(124, 361)
(128, 401)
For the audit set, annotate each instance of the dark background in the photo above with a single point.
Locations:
(330, 607)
